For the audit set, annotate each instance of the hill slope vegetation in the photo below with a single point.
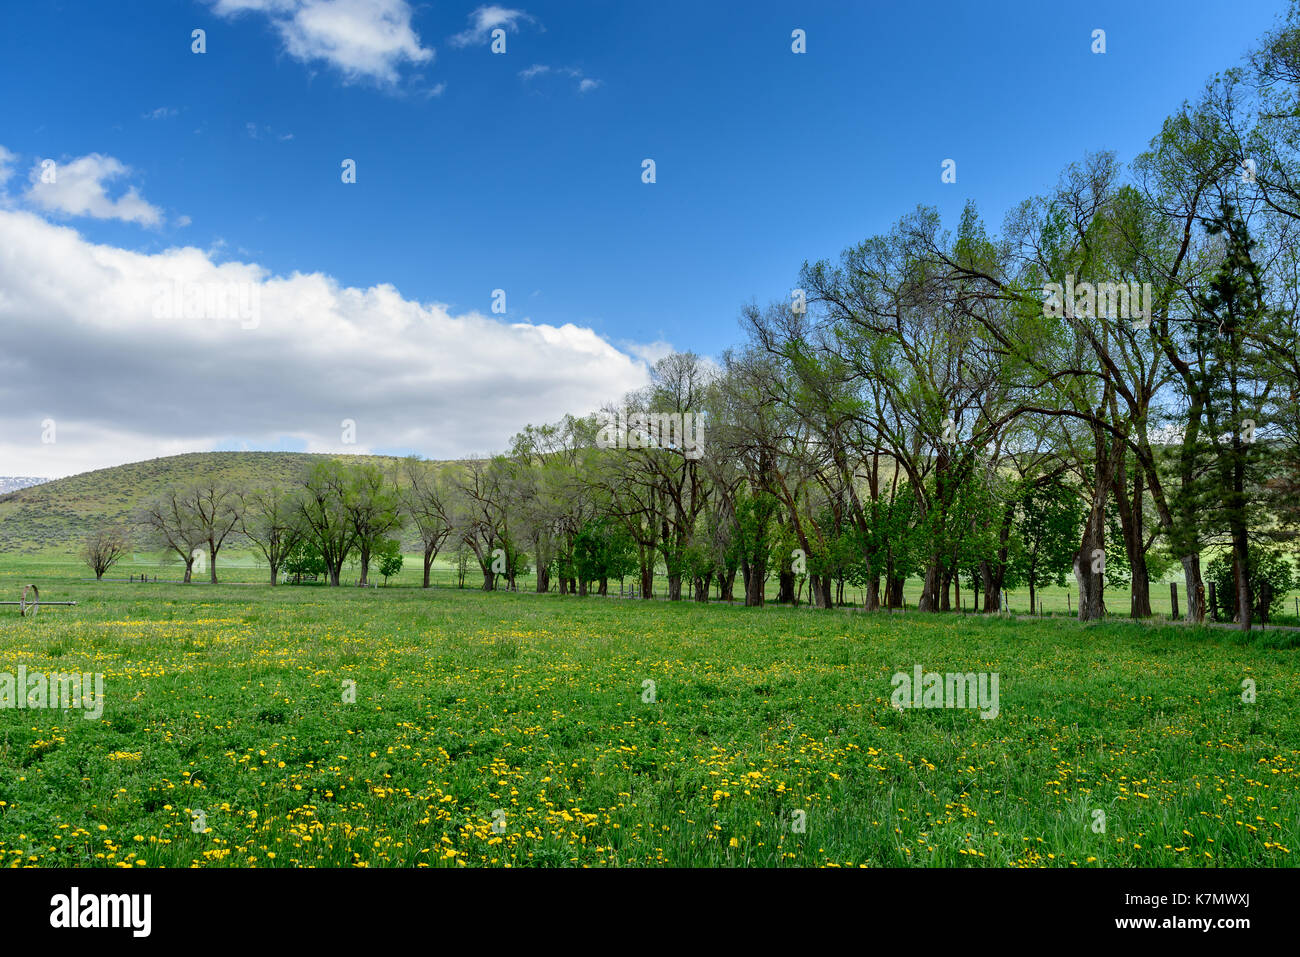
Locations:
(56, 516)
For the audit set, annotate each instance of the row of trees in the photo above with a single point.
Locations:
(336, 512)
(965, 408)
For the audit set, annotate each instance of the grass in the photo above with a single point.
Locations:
(235, 567)
(500, 729)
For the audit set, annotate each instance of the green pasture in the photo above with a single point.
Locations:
(402, 727)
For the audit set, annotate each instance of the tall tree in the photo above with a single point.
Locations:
(215, 510)
(427, 501)
(171, 524)
(323, 507)
(270, 518)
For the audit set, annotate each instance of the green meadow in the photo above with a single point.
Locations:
(303, 726)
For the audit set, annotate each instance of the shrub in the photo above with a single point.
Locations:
(1263, 565)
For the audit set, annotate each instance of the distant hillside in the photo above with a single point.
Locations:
(57, 515)
(12, 483)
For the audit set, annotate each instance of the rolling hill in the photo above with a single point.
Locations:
(56, 516)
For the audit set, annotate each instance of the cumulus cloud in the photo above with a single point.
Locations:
(79, 188)
(486, 19)
(363, 39)
(136, 355)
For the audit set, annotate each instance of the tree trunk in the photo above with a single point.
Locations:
(212, 565)
(1195, 588)
(1131, 527)
(1140, 587)
(822, 595)
(992, 601)
(1240, 576)
(489, 579)
(728, 582)
(1091, 583)
(1092, 605)
(365, 565)
(647, 581)
(543, 580)
(895, 592)
(754, 580)
(930, 588)
(872, 602)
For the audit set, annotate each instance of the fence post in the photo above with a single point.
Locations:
(1173, 599)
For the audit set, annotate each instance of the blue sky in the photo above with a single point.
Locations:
(522, 171)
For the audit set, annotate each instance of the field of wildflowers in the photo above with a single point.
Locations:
(302, 726)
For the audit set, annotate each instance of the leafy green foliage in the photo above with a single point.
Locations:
(1264, 566)
(389, 554)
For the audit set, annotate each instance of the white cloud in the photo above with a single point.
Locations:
(649, 352)
(486, 19)
(161, 113)
(79, 189)
(90, 337)
(364, 39)
(256, 132)
(585, 84)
